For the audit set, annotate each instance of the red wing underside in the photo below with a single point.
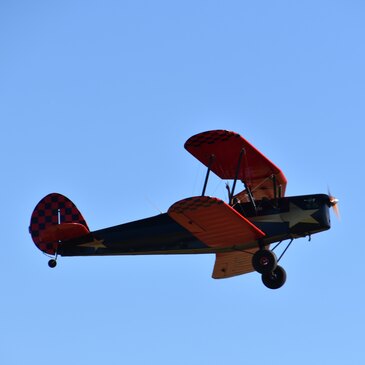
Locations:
(221, 150)
(214, 222)
(234, 263)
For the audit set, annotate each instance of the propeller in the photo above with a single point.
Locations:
(333, 202)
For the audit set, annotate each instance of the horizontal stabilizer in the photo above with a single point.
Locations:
(232, 264)
(214, 222)
(62, 232)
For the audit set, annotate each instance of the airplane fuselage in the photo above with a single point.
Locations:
(280, 219)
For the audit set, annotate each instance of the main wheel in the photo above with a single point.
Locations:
(52, 263)
(275, 279)
(264, 261)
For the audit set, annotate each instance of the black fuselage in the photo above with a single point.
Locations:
(279, 219)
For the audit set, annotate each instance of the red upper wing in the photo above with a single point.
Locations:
(255, 170)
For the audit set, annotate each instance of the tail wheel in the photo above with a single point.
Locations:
(264, 261)
(52, 263)
(275, 279)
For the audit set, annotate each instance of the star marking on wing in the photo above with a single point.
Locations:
(294, 216)
(94, 244)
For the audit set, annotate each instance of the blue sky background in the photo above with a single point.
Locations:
(96, 101)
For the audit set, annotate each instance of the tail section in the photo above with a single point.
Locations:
(56, 219)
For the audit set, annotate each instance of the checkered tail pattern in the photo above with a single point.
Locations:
(53, 209)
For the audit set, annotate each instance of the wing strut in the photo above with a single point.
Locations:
(250, 196)
(211, 160)
(275, 187)
(237, 172)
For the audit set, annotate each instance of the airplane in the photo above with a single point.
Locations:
(240, 232)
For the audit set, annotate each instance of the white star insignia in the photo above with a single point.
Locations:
(94, 244)
(294, 216)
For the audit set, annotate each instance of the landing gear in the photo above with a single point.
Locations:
(52, 263)
(265, 262)
(275, 279)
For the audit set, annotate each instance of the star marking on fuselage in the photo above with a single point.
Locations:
(294, 216)
(94, 244)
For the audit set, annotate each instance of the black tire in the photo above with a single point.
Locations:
(275, 279)
(52, 263)
(264, 261)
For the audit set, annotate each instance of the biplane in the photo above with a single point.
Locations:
(240, 232)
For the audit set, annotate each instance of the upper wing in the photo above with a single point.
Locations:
(214, 222)
(221, 150)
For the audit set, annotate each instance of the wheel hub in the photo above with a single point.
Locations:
(264, 261)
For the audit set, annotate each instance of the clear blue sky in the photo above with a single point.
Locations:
(96, 101)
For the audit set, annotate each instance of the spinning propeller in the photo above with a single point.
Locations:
(333, 202)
